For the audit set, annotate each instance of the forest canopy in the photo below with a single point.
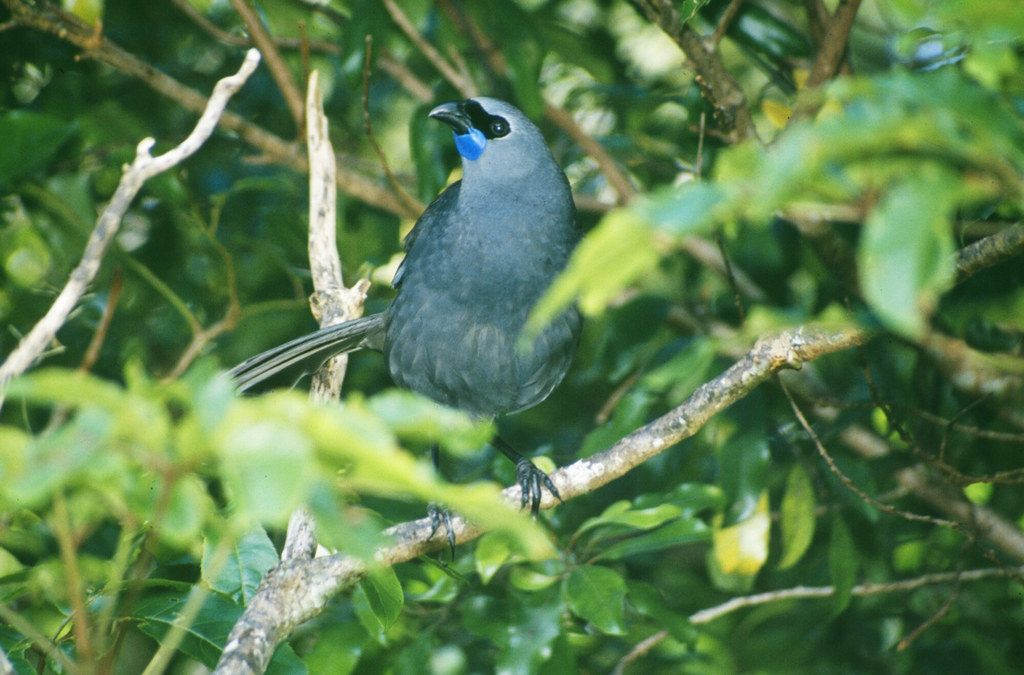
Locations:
(790, 440)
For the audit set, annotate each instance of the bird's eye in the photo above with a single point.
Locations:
(499, 128)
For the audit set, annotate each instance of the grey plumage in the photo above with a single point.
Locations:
(476, 263)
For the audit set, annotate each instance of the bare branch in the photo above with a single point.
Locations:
(142, 169)
(46, 17)
(399, 191)
(332, 302)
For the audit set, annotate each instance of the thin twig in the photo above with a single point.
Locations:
(143, 168)
(92, 352)
(717, 83)
(51, 19)
(851, 486)
(278, 70)
(606, 164)
(368, 125)
(710, 614)
(725, 21)
(447, 70)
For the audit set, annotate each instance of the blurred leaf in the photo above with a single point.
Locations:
(337, 649)
(621, 513)
(744, 459)
(905, 258)
(523, 628)
(692, 209)
(421, 420)
(595, 594)
(843, 563)
(692, 498)
(31, 139)
(89, 11)
(188, 509)
(268, 467)
(26, 258)
(492, 551)
(613, 255)
(796, 516)
(530, 580)
(649, 601)
(761, 30)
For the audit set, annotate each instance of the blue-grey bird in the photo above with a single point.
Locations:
(476, 263)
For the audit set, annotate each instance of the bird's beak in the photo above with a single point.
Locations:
(454, 115)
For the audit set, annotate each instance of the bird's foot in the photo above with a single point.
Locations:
(441, 516)
(530, 480)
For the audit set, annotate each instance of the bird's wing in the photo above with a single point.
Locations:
(439, 209)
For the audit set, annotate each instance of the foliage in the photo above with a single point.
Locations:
(141, 501)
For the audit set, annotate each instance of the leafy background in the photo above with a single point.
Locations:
(136, 489)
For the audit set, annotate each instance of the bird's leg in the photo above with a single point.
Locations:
(528, 477)
(440, 515)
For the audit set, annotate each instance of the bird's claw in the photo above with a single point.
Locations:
(530, 480)
(440, 515)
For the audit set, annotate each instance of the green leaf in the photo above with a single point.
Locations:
(422, 421)
(384, 595)
(691, 209)
(622, 513)
(649, 601)
(205, 636)
(492, 551)
(842, 563)
(237, 569)
(595, 593)
(613, 255)
(268, 466)
(744, 461)
(187, 510)
(796, 516)
(338, 649)
(681, 531)
(905, 258)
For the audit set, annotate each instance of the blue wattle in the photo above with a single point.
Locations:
(470, 144)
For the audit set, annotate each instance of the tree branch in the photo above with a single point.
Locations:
(282, 76)
(718, 84)
(50, 19)
(310, 583)
(990, 251)
(834, 42)
(142, 169)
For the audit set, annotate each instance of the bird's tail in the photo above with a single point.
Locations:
(323, 344)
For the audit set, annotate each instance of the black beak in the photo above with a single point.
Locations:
(454, 115)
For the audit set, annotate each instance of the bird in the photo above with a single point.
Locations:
(476, 262)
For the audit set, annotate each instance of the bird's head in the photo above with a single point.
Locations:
(493, 137)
